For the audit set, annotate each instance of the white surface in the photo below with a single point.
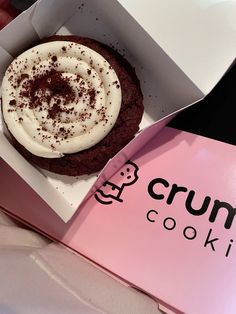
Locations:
(38, 277)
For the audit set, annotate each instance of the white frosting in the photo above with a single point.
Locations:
(87, 112)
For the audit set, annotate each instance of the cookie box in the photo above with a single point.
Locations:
(180, 50)
(163, 43)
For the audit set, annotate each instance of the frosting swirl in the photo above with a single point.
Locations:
(60, 98)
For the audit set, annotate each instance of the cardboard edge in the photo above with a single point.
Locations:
(28, 33)
(56, 10)
(6, 58)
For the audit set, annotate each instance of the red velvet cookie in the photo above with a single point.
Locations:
(93, 159)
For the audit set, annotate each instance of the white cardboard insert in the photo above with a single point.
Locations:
(147, 41)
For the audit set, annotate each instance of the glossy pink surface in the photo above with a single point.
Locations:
(165, 263)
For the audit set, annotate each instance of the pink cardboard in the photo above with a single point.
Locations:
(177, 247)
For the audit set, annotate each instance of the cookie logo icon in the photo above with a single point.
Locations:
(111, 191)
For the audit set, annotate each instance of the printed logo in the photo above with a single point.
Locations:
(110, 191)
(165, 193)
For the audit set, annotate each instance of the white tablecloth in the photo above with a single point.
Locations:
(42, 277)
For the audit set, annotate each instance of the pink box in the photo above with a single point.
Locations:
(171, 231)
(139, 230)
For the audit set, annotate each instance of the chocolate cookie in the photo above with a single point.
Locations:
(94, 158)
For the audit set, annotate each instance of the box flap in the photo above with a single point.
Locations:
(58, 10)
(26, 34)
(33, 25)
(6, 58)
(170, 230)
(199, 35)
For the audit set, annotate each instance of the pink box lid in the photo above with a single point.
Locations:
(184, 255)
